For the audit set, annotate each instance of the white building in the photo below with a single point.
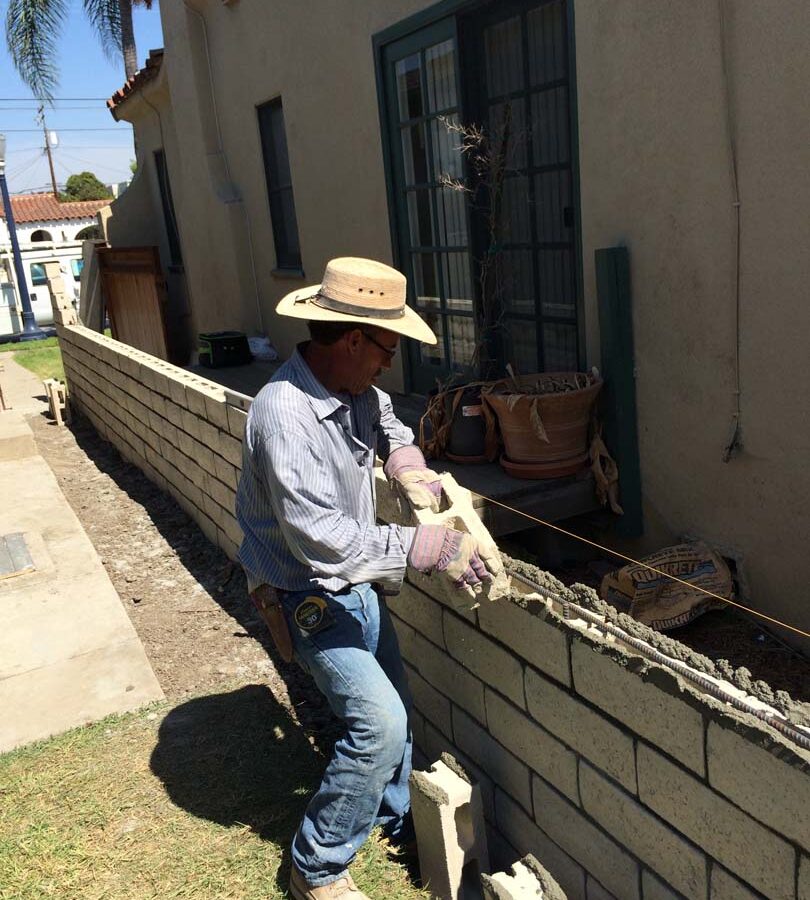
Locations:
(47, 229)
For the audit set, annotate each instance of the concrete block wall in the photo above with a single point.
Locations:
(621, 780)
(184, 432)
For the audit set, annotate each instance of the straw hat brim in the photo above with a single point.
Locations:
(298, 305)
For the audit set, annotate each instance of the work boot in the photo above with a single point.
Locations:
(344, 888)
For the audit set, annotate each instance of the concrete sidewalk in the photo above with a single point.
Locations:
(68, 651)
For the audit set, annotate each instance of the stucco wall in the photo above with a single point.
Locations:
(655, 176)
(623, 780)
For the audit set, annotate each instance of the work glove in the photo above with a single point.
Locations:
(408, 473)
(455, 554)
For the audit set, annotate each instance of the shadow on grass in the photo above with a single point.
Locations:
(237, 759)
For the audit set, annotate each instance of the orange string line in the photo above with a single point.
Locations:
(637, 562)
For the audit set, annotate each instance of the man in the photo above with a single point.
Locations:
(317, 563)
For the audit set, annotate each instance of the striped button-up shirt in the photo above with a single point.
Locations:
(306, 499)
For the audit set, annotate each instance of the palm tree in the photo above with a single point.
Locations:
(33, 27)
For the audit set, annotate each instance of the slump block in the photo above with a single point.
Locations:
(449, 819)
(457, 512)
(526, 880)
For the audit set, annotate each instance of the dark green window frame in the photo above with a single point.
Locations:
(463, 16)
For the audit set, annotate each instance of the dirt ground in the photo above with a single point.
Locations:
(187, 601)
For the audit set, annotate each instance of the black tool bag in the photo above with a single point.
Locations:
(224, 348)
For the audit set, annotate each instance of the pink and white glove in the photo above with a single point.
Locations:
(455, 554)
(406, 469)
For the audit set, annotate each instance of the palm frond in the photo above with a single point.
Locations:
(105, 17)
(32, 31)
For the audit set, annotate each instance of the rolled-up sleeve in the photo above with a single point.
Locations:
(392, 432)
(302, 489)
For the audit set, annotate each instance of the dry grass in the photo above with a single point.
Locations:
(197, 801)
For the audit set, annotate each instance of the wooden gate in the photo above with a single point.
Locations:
(135, 294)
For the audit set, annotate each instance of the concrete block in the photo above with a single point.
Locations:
(519, 829)
(731, 836)
(595, 891)
(230, 449)
(417, 723)
(207, 525)
(216, 411)
(505, 769)
(492, 663)
(221, 493)
(177, 392)
(439, 670)
(230, 526)
(763, 776)
(724, 886)
(235, 422)
(157, 402)
(420, 611)
(652, 888)
(435, 707)
(449, 822)
(648, 701)
(532, 744)
(529, 633)
(228, 547)
(612, 867)
(526, 879)
(430, 586)
(586, 731)
(225, 472)
(678, 862)
(174, 414)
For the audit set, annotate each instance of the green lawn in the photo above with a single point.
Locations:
(197, 800)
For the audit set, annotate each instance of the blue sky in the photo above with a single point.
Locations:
(85, 72)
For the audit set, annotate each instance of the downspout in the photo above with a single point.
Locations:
(233, 196)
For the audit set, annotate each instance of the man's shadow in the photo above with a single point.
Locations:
(238, 759)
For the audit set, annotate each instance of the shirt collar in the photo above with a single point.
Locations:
(323, 402)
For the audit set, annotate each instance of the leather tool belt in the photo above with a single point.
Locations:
(267, 601)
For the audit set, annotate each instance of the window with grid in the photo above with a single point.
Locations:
(279, 185)
(494, 272)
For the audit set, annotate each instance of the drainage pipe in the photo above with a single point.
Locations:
(794, 733)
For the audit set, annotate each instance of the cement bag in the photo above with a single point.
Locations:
(660, 602)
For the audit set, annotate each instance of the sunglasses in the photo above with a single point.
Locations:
(387, 350)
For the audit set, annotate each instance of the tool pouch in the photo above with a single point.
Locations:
(266, 600)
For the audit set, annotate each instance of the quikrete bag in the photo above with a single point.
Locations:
(658, 601)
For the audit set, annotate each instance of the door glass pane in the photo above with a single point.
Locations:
(552, 194)
(457, 281)
(440, 68)
(452, 216)
(520, 346)
(433, 354)
(503, 49)
(547, 56)
(462, 340)
(420, 219)
(414, 154)
(447, 158)
(515, 210)
(515, 278)
(507, 122)
(556, 283)
(549, 118)
(425, 283)
(559, 348)
(409, 87)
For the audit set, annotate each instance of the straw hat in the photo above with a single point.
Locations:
(358, 290)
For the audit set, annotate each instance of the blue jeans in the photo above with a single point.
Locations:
(353, 655)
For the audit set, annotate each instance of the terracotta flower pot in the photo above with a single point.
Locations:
(545, 435)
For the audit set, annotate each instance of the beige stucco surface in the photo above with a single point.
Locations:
(656, 177)
(654, 153)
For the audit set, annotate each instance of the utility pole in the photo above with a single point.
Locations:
(31, 331)
(48, 150)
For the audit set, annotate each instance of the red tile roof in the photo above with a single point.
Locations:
(46, 208)
(138, 80)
